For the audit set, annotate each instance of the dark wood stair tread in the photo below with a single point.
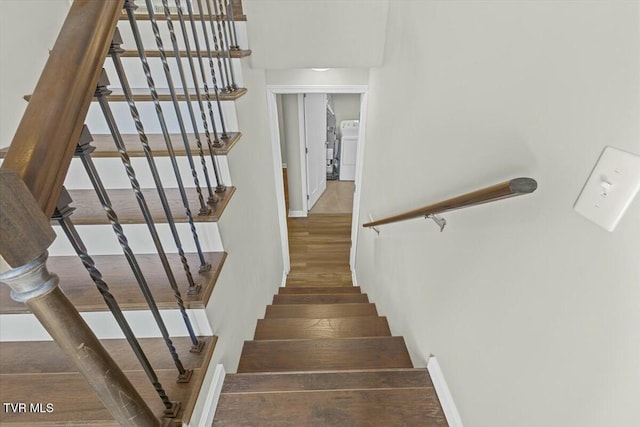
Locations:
(73, 400)
(89, 210)
(391, 407)
(324, 354)
(319, 290)
(346, 327)
(331, 380)
(319, 311)
(242, 53)
(320, 299)
(144, 95)
(77, 285)
(105, 146)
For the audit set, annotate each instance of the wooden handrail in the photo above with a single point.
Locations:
(43, 146)
(504, 190)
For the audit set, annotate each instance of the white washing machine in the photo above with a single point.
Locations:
(349, 130)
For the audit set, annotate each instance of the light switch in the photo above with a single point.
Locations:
(611, 187)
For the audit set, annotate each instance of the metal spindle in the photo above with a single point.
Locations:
(227, 50)
(130, 8)
(224, 134)
(101, 94)
(194, 124)
(231, 14)
(62, 214)
(219, 48)
(83, 152)
(220, 185)
(204, 209)
(115, 51)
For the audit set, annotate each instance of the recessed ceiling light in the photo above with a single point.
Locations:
(320, 69)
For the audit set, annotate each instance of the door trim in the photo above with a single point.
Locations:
(272, 91)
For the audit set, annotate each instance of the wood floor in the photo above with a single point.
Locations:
(319, 250)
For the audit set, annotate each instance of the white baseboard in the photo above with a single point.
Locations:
(354, 278)
(297, 214)
(213, 395)
(284, 279)
(444, 395)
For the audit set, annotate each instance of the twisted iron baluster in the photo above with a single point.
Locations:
(130, 7)
(102, 93)
(62, 214)
(219, 50)
(221, 19)
(224, 134)
(220, 185)
(115, 51)
(194, 124)
(204, 209)
(83, 151)
(231, 14)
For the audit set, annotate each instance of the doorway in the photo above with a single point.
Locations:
(315, 194)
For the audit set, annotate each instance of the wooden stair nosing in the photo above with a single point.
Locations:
(242, 53)
(347, 327)
(320, 299)
(404, 406)
(296, 290)
(318, 311)
(89, 211)
(106, 148)
(76, 284)
(329, 380)
(144, 95)
(324, 354)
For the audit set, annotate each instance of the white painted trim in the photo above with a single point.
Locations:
(272, 91)
(355, 218)
(444, 395)
(297, 214)
(354, 278)
(302, 149)
(272, 106)
(284, 166)
(283, 282)
(213, 396)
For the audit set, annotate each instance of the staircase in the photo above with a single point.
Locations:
(323, 357)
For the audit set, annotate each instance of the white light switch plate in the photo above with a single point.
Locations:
(611, 187)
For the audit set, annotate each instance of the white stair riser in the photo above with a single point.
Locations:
(25, 327)
(101, 239)
(137, 78)
(97, 124)
(149, 40)
(113, 174)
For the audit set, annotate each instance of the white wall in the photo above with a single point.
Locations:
(307, 77)
(23, 52)
(283, 147)
(532, 311)
(316, 33)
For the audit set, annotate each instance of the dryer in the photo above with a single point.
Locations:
(349, 130)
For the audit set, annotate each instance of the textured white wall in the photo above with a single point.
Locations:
(308, 77)
(532, 311)
(24, 49)
(316, 33)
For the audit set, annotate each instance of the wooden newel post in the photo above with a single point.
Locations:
(25, 235)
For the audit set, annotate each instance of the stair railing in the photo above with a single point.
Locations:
(504, 190)
(52, 131)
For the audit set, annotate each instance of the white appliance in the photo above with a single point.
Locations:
(348, 149)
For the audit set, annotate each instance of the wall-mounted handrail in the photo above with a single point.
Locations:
(504, 190)
(46, 138)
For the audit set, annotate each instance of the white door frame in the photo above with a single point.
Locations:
(272, 92)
